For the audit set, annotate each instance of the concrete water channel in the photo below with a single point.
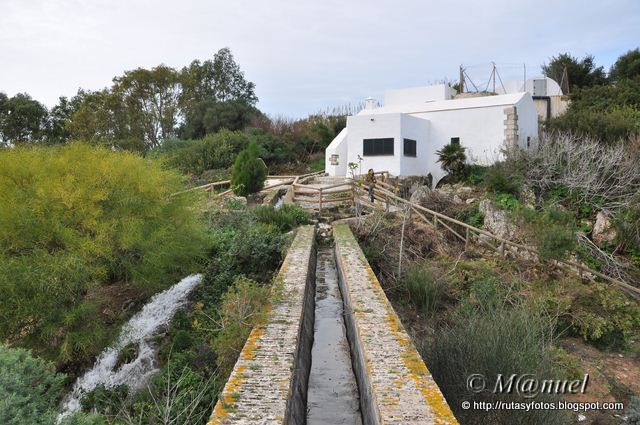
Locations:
(331, 351)
(332, 393)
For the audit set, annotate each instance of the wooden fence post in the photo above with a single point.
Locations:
(466, 238)
(320, 209)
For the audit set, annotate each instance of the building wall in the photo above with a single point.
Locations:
(417, 129)
(336, 155)
(527, 123)
(418, 95)
(362, 127)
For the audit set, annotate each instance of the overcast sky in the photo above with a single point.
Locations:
(302, 55)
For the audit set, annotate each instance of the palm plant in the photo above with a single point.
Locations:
(452, 159)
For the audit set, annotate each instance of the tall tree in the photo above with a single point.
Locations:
(152, 97)
(22, 120)
(581, 73)
(220, 80)
(626, 67)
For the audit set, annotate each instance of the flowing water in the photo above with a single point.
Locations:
(332, 396)
(140, 330)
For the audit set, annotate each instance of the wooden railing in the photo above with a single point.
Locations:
(319, 197)
(468, 234)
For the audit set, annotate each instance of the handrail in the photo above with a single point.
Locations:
(441, 217)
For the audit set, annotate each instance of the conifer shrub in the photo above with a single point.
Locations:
(30, 389)
(249, 171)
(75, 219)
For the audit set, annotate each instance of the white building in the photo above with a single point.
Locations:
(403, 136)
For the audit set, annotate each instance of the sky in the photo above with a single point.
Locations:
(304, 56)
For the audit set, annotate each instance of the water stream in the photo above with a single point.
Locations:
(140, 330)
(332, 396)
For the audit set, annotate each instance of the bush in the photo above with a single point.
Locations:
(249, 171)
(74, 218)
(605, 317)
(627, 224)
(30, 389)
(554, 234)
(497, 180)
(287, 217)
(241, 309)
(241, 246)
(213, 152)
(426, 291)
(490, 342)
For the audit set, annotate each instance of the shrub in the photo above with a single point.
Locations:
(30, 389)
(287, 217)
(74, 218)
(627, 224)
(497, 180)
(500, 341)
(554, 234)
(241, 309)
(605, 317)
(214, 151)
(426, 291)
(249, 171)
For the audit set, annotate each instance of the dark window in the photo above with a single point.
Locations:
(409, 147)
(455, 140)
(375, 147)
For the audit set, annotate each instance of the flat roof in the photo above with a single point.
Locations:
(445, 105)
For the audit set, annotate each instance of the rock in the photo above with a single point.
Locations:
(420, 195)
(470, 201)
(496, 220)
(603, 231)
(457, 199)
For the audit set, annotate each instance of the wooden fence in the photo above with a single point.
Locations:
(468, 234)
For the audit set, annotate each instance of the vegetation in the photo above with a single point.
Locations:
(30, 388)
(249, 171)
(626, 67)
(453, 159)
(75, 221)
(582, 73)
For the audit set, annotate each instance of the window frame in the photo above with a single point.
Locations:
(414, 153)
(382, 149)
(455, 141)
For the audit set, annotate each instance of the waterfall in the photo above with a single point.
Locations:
(139, 330)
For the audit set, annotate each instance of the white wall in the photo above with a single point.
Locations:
(338, 146)
(417, 129)
(527, 122)
(418, 95)
(373, 127)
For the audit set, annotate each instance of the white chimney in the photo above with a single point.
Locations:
(370, 103)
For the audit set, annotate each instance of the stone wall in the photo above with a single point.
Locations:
(269, 381)
(511, 127)
(394, 383)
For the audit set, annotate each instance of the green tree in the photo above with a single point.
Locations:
(102, 119)
(626, 67)
(22, 120)
(58, 130)
(30, 389)
(581, 73)
(607, 112)
(220, 80)
(151, 96)
(210, 116)
(452, 159)
(249, 171)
